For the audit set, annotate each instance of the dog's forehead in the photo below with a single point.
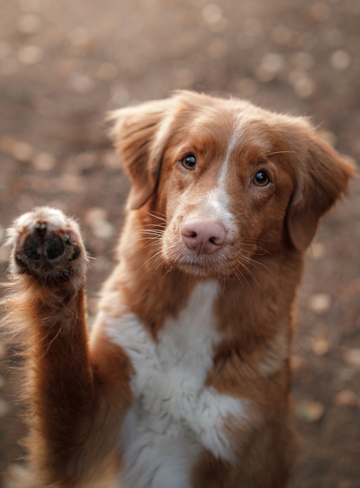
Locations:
(233, 127)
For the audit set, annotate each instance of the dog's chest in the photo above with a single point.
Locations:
(174, 415)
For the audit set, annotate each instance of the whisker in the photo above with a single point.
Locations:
(153, 228)
(168, 269)
(238, 277)
(250, 273)
(251, 261)
(151, 244)
(151, 235)
(160, 260)
(148, 235)
(159, 217)
(162, 226)
(256, 246)
(254, 262)
(150, 258)
(246, 281)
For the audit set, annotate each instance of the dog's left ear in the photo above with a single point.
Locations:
(140, 134)
(322, 176)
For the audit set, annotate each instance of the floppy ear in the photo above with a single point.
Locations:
(140, 135)
(322, 176)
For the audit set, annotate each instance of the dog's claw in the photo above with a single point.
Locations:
(41, 228)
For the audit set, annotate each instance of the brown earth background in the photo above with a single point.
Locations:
(64, 63)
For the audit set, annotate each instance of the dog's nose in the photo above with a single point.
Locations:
(203, 237)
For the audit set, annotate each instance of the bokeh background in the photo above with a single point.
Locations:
(64, 63)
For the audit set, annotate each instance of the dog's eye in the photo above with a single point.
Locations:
(189, 162)
(261, 179)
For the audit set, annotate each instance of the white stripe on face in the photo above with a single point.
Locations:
(233, 141)
(218, 201)
(216, 206)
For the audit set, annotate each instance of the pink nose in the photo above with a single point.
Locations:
(203, 237)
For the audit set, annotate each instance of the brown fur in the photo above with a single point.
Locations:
(80, 391)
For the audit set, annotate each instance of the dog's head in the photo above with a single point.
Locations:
(229, 180)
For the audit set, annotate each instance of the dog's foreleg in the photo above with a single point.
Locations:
(66, 385)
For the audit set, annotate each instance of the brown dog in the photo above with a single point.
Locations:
(185, 381)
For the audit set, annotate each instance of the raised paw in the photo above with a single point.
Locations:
(47, 244)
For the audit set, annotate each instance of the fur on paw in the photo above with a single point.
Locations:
(47, 244)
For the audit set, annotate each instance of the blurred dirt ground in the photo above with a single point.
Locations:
(64, 63)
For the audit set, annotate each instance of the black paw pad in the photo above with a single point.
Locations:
(32, 247)
(54, 246)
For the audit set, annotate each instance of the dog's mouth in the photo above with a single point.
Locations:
(205, 265)
(194, 268)
(205, 271)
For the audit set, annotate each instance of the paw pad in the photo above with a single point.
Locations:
(46, 242)
(40, 243)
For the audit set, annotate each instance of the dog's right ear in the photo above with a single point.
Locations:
(140, 134)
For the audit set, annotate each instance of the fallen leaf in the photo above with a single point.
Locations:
(102, 229)
(346, 398)
(28, 24)
(95, 214)
(4, 408)
(352, 357)
(340, 60)
(320, 346)
(22, 151)
(30, 55)
(2, 351)
(319, 303)
(309, 411)
(44, 161)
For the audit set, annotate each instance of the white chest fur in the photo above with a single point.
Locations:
(174, 415)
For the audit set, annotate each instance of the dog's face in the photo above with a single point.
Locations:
(223, 196)
(230, 180)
